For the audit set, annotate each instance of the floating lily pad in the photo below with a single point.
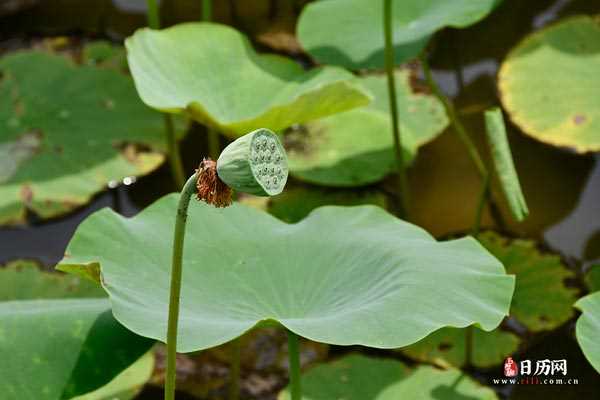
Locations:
(82, 346)
(23, 280)
(447, 347)
(350, 32)
(587, 329)
(357, 377)
(243, 267)
(542, 301)
(230, 87)
(592, 278)
(68, 131)
(295, 204)
(504, 165)
(549, 84)
(104, 54)
(356, 147)
(127, 384)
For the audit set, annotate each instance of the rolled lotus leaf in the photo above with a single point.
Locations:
(255, 163)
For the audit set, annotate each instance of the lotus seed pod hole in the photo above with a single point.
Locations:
(268, 162)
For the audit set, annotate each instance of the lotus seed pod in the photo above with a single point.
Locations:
(245, 165)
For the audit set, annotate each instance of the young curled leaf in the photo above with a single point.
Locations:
(503, 162)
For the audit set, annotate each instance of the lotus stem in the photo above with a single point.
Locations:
(173, 152)
(153, 15)
(189, 189)
(469, 346)
(173, 155)
(403, 191)
(464, 137)
(234, 388)
(484, 193)
(294, 365)
(214, 145)
(206, 10)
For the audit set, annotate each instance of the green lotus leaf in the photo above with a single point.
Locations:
(127, 384)
(592, 278)
(587, 329)
(67, 131)
(541, 301)
(82, 346)
(295, 204)
(356, 41)
(230, 87)
(357, 377)
(504, 165)
(548, 84)
(446, 347)
(23, 280)
(243, 267)
(104, 54)
(356, 147)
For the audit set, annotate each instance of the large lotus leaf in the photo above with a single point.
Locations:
(127, 384)
(587, 329)
(57, 349)
(447, 347)
(430, 383)
(86, 324)
(229, 86)
(23, 280)
(350, 32)
(357, 377)
(375, 280)
(356, 147)
(66, 132)
(542, 301)
(549, 84)
(295, 204)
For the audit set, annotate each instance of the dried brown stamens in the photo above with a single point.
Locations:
(211, 188)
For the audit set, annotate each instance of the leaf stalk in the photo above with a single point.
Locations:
(294, 365)
(403, 190)
(234, 387)
(214, 146)
(153, 14)
(173, 152)
(189, 189)
(173, 155)
(464, 137)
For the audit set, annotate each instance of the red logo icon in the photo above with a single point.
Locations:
(510, 367)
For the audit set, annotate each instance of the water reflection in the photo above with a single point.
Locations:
(572, 235)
